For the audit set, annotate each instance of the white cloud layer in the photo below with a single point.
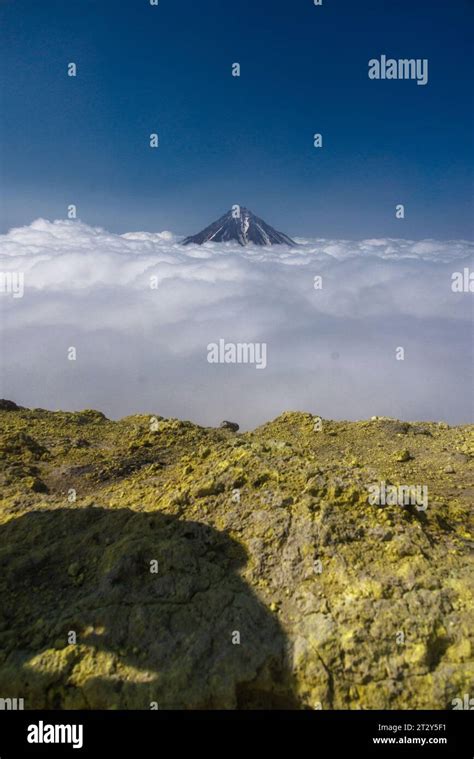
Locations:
(330, 351)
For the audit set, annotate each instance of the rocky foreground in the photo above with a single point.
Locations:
(152, 563)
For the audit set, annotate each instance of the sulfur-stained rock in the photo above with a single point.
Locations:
(196, 569)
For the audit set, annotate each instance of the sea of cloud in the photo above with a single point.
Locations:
(141, 309)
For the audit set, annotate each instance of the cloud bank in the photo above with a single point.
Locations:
(140, 310)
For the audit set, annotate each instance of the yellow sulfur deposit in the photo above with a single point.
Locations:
(151, 561)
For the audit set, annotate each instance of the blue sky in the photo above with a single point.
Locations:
(247, 140)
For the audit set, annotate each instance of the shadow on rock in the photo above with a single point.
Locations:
(143, 637)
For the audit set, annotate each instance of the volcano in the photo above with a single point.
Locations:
(243, 226)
